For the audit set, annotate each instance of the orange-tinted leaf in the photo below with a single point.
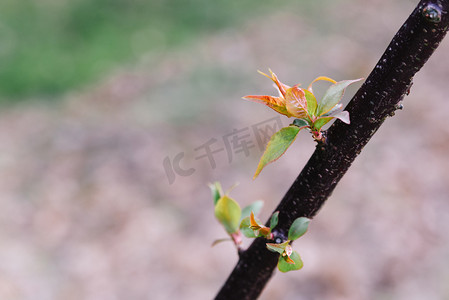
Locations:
(296, 102)
(264, 99)
(253, 223)
(259, 229)
(282, 87)
(245, 228)
(318, 79)
(289, 260)
(275, 103)
(285, 262)
(264, 231)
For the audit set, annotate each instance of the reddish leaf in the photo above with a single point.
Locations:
(275, 103)
(296, 102)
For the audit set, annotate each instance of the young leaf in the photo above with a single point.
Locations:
(281, 87)
(298, 228)
(311, 103)
(277, 145)
(320, 122)
(343, 116)
(253, 223)
(259, 229)
(274, 220)
(245, 228)
(216, 190)
(324, 78)
(228, 212)
(285, 265)
(296, 102)
(254, 207)
(279, 248)
(220, 241)
(275, 103)
(336, 109)
(264, 232)
(333, 95)
(300, 123)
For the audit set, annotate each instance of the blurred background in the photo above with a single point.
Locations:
(115, 115)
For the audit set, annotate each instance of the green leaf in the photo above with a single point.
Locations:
(333, 95)
(245, 229)
(216, 190)
(278, 144)
(228, 212)
(320, 122)
(311, 103)
(300, 122)
(298, 228)
(279, 248)
(284, 266)
(274, 220)
(255, 207)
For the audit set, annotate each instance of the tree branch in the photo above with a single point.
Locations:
(377, 99)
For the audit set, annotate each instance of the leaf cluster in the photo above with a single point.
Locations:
(303, 105)
(238, 222)
(290, 260)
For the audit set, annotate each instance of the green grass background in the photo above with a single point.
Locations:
(49, 47)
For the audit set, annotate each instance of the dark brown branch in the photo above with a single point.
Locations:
(377, 99)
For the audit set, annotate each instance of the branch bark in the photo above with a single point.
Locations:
(379, 97)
